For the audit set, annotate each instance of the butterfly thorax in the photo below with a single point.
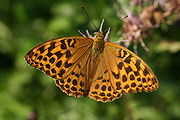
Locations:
(98, 44)
(97, 50)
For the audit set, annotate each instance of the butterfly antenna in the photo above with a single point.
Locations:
(88, 16)
(100, 29)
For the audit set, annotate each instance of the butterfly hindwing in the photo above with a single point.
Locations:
(76, 82)
(62, 59)
(101, 88)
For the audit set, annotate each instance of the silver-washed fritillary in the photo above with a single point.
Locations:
(92, 66)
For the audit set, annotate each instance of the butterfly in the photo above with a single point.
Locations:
(92, 66)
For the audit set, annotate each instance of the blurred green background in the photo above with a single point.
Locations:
(28, 94)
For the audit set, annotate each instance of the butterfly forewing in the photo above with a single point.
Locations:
(130, 73)
(65, 60)
(75, 81)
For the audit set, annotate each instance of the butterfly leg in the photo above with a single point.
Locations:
(135, 47)
(100, 29)
(143, 45)
(107, 35)
(81, 33)
(90, 36)
(120, 41)
(127, 43)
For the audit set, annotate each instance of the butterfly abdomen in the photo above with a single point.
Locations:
(96, 54)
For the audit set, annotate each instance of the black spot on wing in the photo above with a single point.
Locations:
(74, 41)
(132, 77)
(145, 72)
(118, 84)
(45, 58)
(42, 49)
(126, 86)
(120, 65)
(49, 54)
(68, 54)
(71, 42)
(67, 65)
(96, 86)
(40, 57)
(128, 69)
(136, 73)
(122, 53)
(73, 88)
(47, 66)
(36, 54)
(74, 82)
(116, 75)
(60, 74)
(58, 64)
(52, 46)
(68, 80)
(103, 88)
(128, 59)
(124, 78)
(52, 60)
(58, 54)
(137, 64)
(133, 84)
(53, 70)
(63, 45)
(30, 53)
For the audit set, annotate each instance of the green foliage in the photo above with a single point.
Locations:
(26, 92)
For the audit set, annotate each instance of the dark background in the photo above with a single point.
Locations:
(26, 93)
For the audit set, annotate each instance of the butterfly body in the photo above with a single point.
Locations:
(84, 66)
(96, 54)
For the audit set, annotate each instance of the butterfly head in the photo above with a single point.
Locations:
(99, 36)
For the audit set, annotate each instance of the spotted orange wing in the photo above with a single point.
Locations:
(101, 88)
(83, 66)
(65, 60)
(129, 72)
(120, 72)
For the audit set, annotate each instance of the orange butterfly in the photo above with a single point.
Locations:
(92, 66)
